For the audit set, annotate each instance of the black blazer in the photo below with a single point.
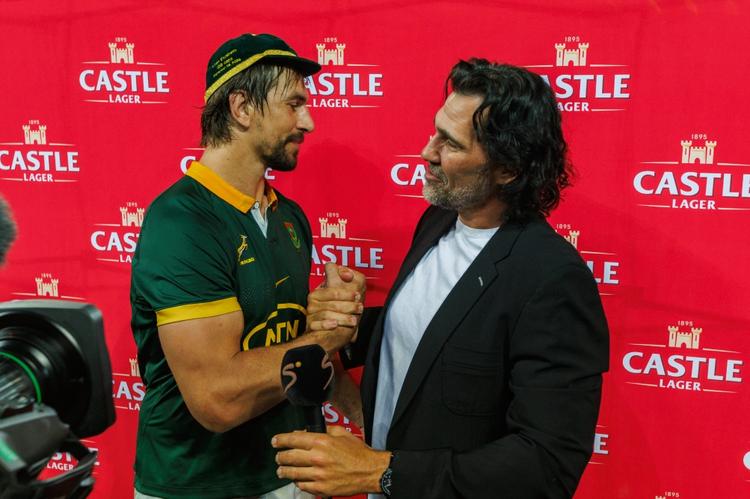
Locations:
(502, 395)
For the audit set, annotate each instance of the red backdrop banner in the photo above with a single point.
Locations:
(101, 107)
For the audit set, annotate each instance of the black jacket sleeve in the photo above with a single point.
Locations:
(558, 349)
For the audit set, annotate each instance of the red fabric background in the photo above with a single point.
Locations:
(669, 252)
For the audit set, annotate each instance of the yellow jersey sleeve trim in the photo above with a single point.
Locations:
(259, 327)
(214, 183)
(197, 311)
(242, 66)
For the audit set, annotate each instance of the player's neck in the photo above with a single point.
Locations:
(240, 170)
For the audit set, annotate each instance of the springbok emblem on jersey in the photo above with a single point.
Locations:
(241, 249)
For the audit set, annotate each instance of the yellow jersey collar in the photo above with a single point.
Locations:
(214, 183)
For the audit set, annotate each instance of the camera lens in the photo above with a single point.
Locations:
(17, 385)
(39, 362)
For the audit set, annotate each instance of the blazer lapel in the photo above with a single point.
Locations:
(475, 281)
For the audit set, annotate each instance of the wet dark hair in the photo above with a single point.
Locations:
(255, 83)
(519, 126)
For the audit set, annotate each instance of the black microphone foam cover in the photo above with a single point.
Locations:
(307, 375)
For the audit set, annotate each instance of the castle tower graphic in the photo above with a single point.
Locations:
(703, 155)
(574, 57)
(46, 285)
(572, 237)
(337, 230)
(121, 54)
(132, 215)
(134, 369)
(679, 338)
(35, 136)
(330, 55)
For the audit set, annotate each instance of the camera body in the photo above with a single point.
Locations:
(55, 387)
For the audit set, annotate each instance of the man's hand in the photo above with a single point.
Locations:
(336, 464)
(340, 298)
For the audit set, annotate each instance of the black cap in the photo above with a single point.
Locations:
(242, 52)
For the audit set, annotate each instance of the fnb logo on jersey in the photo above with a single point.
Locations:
(603, 264)
(697, 181)
(580, 80)
(683, 363)
(335, 244)
(122, 78)
(117, 241)
(37, 159)
(128, 388)
(341, 83)
(46, 285)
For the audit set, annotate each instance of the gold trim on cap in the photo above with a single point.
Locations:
(243, 65)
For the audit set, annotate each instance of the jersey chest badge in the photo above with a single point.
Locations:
(292, 234)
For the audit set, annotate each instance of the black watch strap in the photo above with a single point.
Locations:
(386, 479)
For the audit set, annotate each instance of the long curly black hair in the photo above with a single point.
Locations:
(519, 125)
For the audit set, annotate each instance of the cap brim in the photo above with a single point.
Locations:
(304, 66)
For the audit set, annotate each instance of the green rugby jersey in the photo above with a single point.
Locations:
(202, 254)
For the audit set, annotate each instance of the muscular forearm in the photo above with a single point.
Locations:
(346, 396)
(247, 385)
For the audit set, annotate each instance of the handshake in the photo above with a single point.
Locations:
(335, 307)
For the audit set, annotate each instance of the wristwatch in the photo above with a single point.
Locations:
(386, 478)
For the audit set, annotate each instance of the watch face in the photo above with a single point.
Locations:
(385, 482)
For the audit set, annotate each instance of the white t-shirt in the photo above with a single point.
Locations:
(411, 310)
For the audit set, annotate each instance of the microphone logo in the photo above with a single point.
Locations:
(327, 365)
(288, 370)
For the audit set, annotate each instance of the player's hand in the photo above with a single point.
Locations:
(339, 298)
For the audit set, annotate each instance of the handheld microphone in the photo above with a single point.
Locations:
(307, 379)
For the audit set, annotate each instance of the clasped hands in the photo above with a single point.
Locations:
(336, 306)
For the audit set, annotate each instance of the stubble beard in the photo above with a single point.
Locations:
(460, 198)
(278, 158)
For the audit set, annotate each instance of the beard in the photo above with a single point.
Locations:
(278, 158)
(460, 198)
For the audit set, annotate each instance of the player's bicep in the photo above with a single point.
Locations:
(198, 352)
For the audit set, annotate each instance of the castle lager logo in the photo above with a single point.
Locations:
(670, 494)
(116, 242)
(334, 244)
(601, 442)
(697, 181)
(603, 265)
(64, 461)
(340, 83)
(580, 81)
(128, 388)
(683, 362)
(408, 175)
(46, 285)
(122, 78)
(37, 158)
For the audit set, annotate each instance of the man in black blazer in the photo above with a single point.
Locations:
(483, 368)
